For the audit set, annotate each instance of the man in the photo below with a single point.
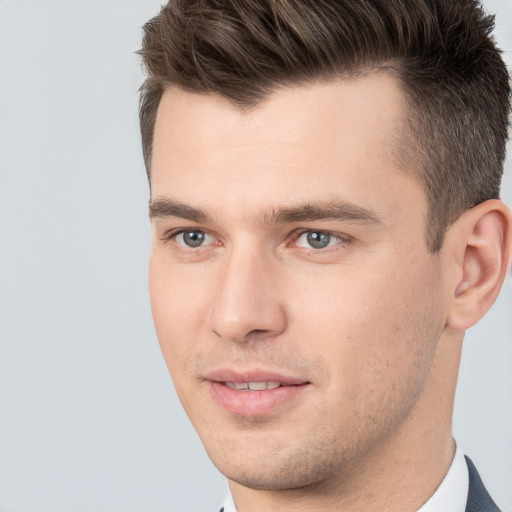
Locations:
(326, 225)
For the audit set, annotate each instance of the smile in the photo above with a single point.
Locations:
(255, 395)
(253, 386)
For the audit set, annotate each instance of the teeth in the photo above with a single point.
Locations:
(257, 386)
(253, 386)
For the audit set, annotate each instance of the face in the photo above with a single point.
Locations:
(295, 301)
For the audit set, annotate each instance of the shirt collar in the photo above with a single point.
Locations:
(452, 493)
(229, 504)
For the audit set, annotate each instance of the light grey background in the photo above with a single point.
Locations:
(88, 418)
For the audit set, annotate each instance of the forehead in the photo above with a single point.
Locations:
(323, 141)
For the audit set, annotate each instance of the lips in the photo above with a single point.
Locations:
(254, 393)
(253, 386)
(253, 377)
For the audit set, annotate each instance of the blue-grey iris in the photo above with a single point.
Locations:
(193, 238)
(318, 240)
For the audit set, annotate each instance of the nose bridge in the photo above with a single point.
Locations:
(247, 299)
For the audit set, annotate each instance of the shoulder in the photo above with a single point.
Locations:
(478, 497)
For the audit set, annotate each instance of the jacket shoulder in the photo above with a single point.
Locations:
(478, 497)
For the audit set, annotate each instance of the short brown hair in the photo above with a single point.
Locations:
(440, 51)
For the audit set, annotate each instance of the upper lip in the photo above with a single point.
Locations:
(229, 375)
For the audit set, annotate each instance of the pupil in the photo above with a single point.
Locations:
(193, 238)
(318, 240)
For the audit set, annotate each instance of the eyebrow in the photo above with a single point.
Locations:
(331, 210)
(163, 207)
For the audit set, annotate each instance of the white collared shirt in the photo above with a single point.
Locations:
(452, 493)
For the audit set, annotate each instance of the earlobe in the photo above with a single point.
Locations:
(485, 233)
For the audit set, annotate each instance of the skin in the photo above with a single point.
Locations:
(372, 324)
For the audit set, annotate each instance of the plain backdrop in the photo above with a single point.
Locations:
(88, 417)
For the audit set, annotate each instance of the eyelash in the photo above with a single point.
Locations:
(171, 236)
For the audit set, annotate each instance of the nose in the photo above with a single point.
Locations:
(248, 304)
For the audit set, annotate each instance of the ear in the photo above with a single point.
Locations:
(481, 243)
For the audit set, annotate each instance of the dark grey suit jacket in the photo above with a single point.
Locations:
(478, 497)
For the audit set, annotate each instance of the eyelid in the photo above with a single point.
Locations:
(172, 234)
(342, 238)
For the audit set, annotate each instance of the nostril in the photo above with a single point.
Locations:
(253, 335)
(242, 317)
(256, 333)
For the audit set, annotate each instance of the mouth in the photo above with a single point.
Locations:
(247, 395)
(253, 386)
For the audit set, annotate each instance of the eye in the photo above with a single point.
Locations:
(317, 239)
(192, 238)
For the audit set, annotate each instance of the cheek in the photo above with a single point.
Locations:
(177, 310)
(375, 329)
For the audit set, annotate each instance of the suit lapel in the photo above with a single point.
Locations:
(478, 497)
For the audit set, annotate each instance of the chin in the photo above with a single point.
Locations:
(277, 469)
(269, 478)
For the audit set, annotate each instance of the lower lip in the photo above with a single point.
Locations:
(254, 403)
